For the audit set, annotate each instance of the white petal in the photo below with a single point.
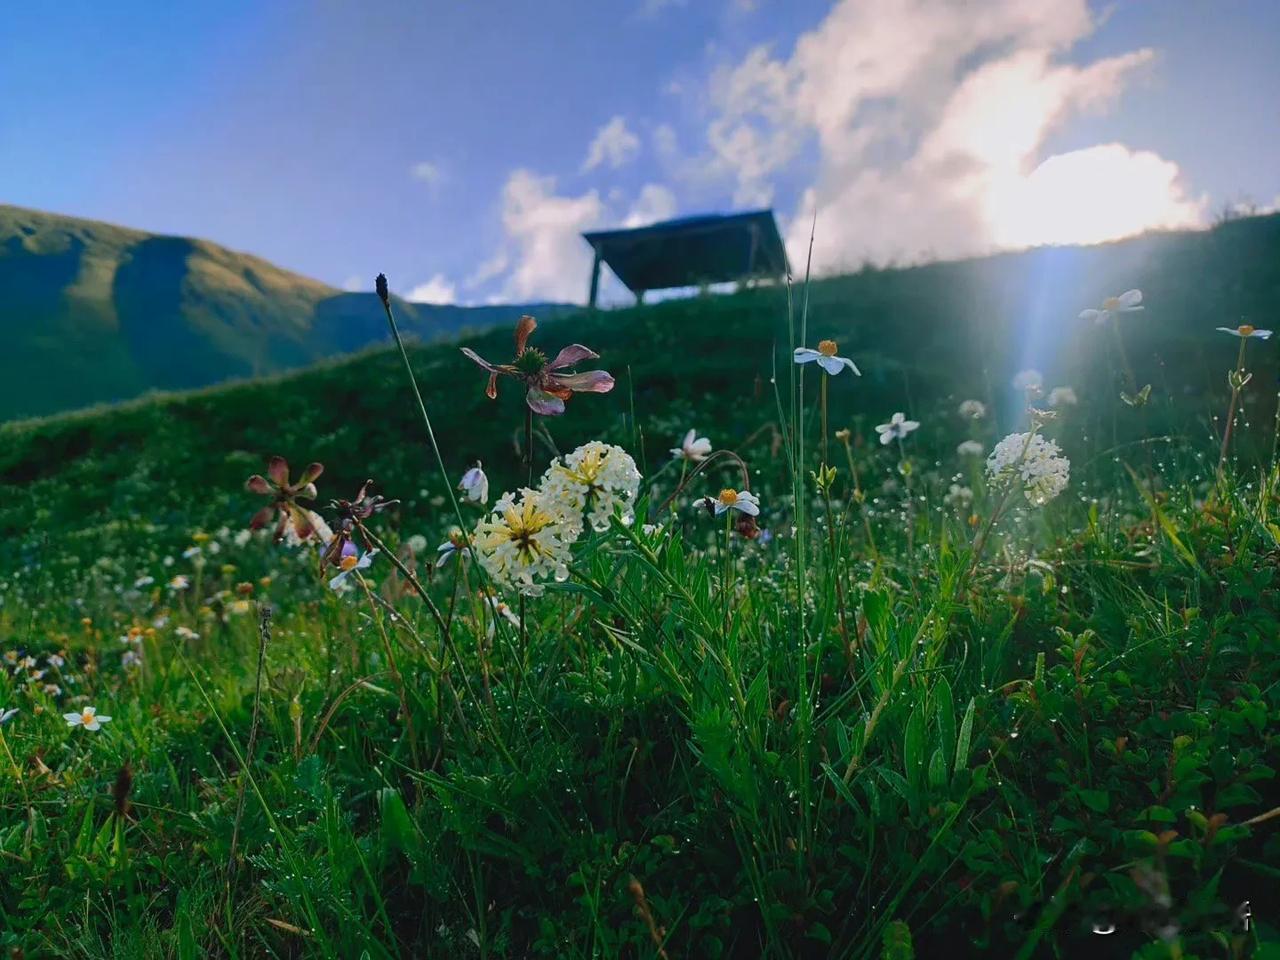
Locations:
(886, 438)
(747, 507)
(718, 507)
(1231, 330)
(883, 427)
(1262, 334)
(103, 718)
(1130, 299)
(73, 719)
(93, 724)
(851, 365)
(832, 365)
(805, 355)
(910, 425)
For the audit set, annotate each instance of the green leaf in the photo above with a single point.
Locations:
(1097, 800)
(897, 942)
(966, 734)
(397, 826)
(913, 747)
(945, 712)
(937, 769)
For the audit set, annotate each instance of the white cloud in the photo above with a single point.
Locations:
(552, 261)
(429, 173)
(929, 119)
(437, 290)
(655, 203)
(487, 270)
(613, 144)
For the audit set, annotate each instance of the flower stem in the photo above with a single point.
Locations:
(528, 444)
(1236, 377)
(825, 378)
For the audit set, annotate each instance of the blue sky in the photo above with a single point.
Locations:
(450, 144)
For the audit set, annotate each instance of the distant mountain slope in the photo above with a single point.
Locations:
(92, 312)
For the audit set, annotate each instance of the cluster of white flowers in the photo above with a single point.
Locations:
(1063, 397)
(1035, 461)
(525, 541)
(973, 409)
(596, 479)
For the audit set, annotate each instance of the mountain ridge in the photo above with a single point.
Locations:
(93, 312)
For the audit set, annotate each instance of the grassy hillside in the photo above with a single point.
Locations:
(92, 312)
(920, 334)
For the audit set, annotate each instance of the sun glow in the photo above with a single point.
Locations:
(1088, 196)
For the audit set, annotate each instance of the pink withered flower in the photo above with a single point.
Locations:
(549, 382)
(350, 513)
(284, 498)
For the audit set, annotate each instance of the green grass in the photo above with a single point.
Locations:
(886, 733)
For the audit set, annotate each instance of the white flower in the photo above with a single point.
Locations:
(743, 501)
(525, 541)
(1029, 380)
(692, 449)
(191, 553)
(597, 479)
(1245, 330)
(454, 546)
(1128, 302)
(7, 715)
(186, 633)
(826, 357)
(55, 660)
(349, 563)
(131, 660)
(1062, 397)
(970, 448)
(1035, 461)
(500, 608)
(973, 409)
(897, 428)
(475, 485)
(143, 582)
(242, 538)
(87, 718)
(958, 496)
(180, 582)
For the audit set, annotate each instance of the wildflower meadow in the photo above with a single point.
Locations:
(748, 637)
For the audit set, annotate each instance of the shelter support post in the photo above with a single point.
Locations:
(595, 281)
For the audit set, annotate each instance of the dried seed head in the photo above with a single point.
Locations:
(121, 789)
(380, 285)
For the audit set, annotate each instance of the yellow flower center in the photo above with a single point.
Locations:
(1111, 303)
(1245, 330)
(728, 497)
(523, 525)
(588, 471)
(348, 562)
(827, 348)
(87, 717)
